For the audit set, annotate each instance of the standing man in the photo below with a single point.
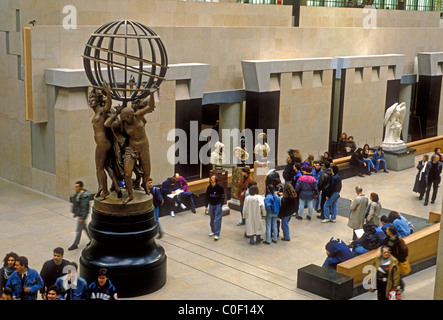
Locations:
(358, 210)
(52, 270)
(157, 201)
(24, 281)
(80, 208)
(72, 286)
(215, 195)
(332, 194)
(316, 173)
(433, 178)
(323, 183)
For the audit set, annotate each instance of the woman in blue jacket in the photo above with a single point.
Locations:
(272, 205)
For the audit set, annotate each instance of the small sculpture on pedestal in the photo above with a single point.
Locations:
(218, 157)
(261, 164)
(393, 123)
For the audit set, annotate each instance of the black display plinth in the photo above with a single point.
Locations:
(325, 282)
(123, 241)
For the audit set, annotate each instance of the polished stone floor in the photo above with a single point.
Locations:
(199, 268)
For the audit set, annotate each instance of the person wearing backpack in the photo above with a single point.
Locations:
(307, 191)
(272, 205)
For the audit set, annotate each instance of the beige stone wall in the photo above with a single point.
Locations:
(202, 39)
(158, 12)
(364, 104)
(327, 17)
(305, 107)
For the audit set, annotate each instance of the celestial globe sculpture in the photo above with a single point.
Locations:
(123, 50)
(125, 61)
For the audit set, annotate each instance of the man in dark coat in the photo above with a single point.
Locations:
(80, 209)
(433, 178)
(52, 270)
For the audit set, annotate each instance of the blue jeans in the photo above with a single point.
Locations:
(317, 202)
(377, 164)
(271, 224)
(301, 207)
(189, 195)
(215, 214)
(331, 206)
(369, 164)
(358, 250)
(285, 227)
(157, 215)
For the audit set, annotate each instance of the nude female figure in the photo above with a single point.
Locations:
(103, 142)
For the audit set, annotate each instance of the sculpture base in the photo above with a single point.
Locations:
(393, 146)
(400, 159)
(123, 241)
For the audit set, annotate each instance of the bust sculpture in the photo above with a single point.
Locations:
(218, 157)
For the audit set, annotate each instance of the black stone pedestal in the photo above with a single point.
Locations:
(123, 242)
(325, 282)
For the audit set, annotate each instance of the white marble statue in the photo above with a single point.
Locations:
(218, 157)
(393, 123)
(262, 148)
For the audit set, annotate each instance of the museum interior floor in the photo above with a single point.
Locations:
(199, 268)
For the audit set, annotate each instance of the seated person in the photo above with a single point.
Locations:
(367, 160)
(183, 185)
(368, 241)
(337, 252)
(327, 157)
(357, 160)
(385, 223)
(400, 223)
(168, 187)
(379, 159)
(350, 146)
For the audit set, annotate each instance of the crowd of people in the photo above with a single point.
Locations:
(307, 184)
(57, 280)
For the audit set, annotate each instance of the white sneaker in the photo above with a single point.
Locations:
(211, 234)
(325, 220)
(215, 238)
(333, 221)
(172, 214)
(183, 206)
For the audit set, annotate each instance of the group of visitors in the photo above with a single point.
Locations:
(428, 176)
(370, 231)
(307, 184)
(57, 280)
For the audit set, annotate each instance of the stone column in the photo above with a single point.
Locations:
(406, 85)
(230, 118)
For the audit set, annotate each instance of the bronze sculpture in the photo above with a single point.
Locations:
(103, 150)
(137, 145)
(131, 58)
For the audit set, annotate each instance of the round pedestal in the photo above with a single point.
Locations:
(123, 241)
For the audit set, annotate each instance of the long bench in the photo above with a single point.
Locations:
(422, 245)
(421, 146)
(426, 145)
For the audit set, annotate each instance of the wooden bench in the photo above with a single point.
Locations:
(345, 168)
(426, 145)
(421, 244)
(434, 216)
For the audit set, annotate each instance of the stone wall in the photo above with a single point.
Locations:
(194, 40)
